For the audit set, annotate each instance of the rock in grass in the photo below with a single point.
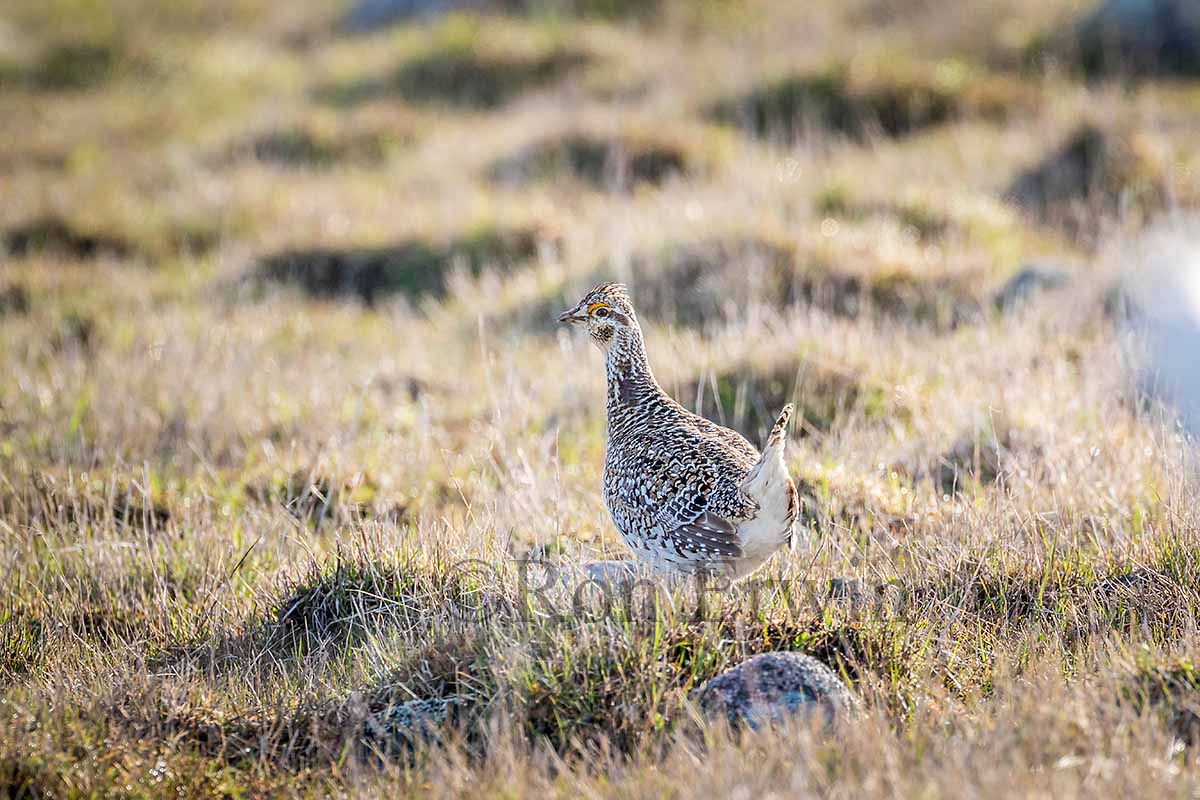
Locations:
(771, 688)
(401, 728)
(609, 573)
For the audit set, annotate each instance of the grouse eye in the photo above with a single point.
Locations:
(602, 312)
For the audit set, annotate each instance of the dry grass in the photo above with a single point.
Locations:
(288, 436)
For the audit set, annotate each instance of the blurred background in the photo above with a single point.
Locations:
(231, 228)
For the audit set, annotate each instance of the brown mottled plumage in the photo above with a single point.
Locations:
(686, 494)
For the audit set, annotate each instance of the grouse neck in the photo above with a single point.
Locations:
(629, 377)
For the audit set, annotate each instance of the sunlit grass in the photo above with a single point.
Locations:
(288, 435)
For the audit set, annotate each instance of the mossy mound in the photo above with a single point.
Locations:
(467, 69)
(74, 332)
(56, 236)
(943, 302)
(923, 222)
(298, 147)
(866, 101)
(14, 299)
(1097, 173)
(74, 63)
(480, 82)
(619, 162)
(414, 269)
(712, 281)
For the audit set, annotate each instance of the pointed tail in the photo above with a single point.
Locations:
(779, 430)
(771, 461)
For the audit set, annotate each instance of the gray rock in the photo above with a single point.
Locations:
(1030, 280)
(1142, 37)
(605, 574)
(401, 727)
(611, 572)
(771, 688)
(628, 583)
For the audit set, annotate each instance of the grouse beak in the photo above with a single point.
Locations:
(572, 316)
